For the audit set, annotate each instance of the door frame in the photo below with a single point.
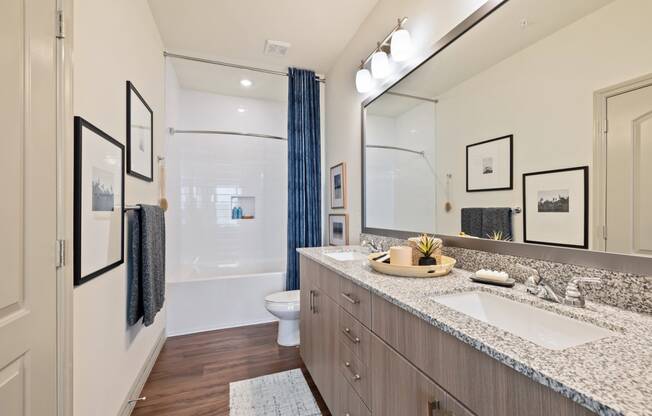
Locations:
(600, 133)
(64, 172)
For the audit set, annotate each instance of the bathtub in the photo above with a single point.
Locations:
(208, 297)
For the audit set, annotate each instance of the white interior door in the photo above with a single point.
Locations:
(28, 211)
(629, 172)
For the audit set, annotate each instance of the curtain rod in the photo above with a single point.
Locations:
(174, 131)
(402, 149)
(416, 97)
(230, 65)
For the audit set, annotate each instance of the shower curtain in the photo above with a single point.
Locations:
(304, 170)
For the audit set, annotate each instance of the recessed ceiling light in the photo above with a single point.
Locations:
(241, 110)
(246, 83)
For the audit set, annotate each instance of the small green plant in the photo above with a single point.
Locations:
(498, 236)
(427, 245)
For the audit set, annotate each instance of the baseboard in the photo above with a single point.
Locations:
(139, 383)
(218, 327)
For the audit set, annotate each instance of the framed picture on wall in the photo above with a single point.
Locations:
(489, 165)
(98, 202)
(338, 186)
(556, 207)
(338, 225)
(140, 136)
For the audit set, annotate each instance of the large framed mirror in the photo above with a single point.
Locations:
(530, 134)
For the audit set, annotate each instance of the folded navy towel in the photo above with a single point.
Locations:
(497, 220)
(146, 264)
(472, 221)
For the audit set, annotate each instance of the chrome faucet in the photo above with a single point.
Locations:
(376, 248)
(574, 295)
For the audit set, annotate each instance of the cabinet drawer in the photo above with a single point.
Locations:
(399, 388)
(355, 372)
(355, 336)
(349, 403)
(356, 300)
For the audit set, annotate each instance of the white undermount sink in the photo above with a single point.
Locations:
(346, 256)
(544, 328)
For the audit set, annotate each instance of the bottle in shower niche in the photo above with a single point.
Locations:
(234, 213)
(239, 213)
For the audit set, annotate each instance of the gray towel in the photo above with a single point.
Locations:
(472, 221)
(145, 264)
(497, 220)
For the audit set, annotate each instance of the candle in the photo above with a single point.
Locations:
(400, 256)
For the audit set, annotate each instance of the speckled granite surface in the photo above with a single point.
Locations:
(623, 290)
(611, 376)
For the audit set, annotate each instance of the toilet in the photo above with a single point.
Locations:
(285, 306)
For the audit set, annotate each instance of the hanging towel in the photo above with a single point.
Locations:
(497, 220)
(146, 264)
(472, 221)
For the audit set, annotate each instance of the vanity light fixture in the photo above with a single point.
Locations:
(379, 64)
(396, 44)
(363, 80)
(401, 46)
(246, 83)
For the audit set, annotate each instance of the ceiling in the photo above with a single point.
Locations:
(226, 81)
(499, 36)
(236, 30)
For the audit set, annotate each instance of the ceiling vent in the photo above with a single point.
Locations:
(276, 47)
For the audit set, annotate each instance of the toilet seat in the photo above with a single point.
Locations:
(290, 296)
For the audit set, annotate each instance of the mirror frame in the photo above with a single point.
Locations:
(624, 263)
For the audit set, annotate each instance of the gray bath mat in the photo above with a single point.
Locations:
(280, 394)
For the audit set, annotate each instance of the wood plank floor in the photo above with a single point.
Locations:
(192, 374)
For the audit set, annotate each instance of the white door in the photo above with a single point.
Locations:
(629, 172)
(27, 209)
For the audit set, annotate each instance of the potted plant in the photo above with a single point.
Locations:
(426, 247)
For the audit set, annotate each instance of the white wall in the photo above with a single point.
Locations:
(401, 185)
(544, 96)
(428, 21)
(113, 42)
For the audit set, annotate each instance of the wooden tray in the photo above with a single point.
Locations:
(412, 271)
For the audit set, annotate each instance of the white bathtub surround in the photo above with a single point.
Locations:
(285, 393)
(206, 300)
(286, 307)
(220, 268)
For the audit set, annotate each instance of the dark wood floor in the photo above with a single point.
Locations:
(192, 374)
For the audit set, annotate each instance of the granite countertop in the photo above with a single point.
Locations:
(611, 376)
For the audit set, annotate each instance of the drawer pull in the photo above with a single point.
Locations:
(434, 409)
(350, 336)
(311, 301)
(351, 299)
(355, 375)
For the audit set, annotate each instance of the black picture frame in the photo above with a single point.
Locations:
(79, 125)
(130, 168)
(509, 137)
(585, 183)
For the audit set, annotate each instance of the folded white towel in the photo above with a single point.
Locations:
(492, 275)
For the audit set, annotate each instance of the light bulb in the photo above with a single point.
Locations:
(401, 45)
(363, 80)
(246, 83)
(379, 65)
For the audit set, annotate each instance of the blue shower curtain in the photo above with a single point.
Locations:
(304, 169)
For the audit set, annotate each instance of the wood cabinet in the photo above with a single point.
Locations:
(368, 356)
(404, 390)
(319, 333)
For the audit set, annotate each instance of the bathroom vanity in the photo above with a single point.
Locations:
(383, 345)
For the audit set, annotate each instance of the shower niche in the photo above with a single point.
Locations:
(243, 207)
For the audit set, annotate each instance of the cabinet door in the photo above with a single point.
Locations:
(398, 388)
(305, 322)
(325, 342)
